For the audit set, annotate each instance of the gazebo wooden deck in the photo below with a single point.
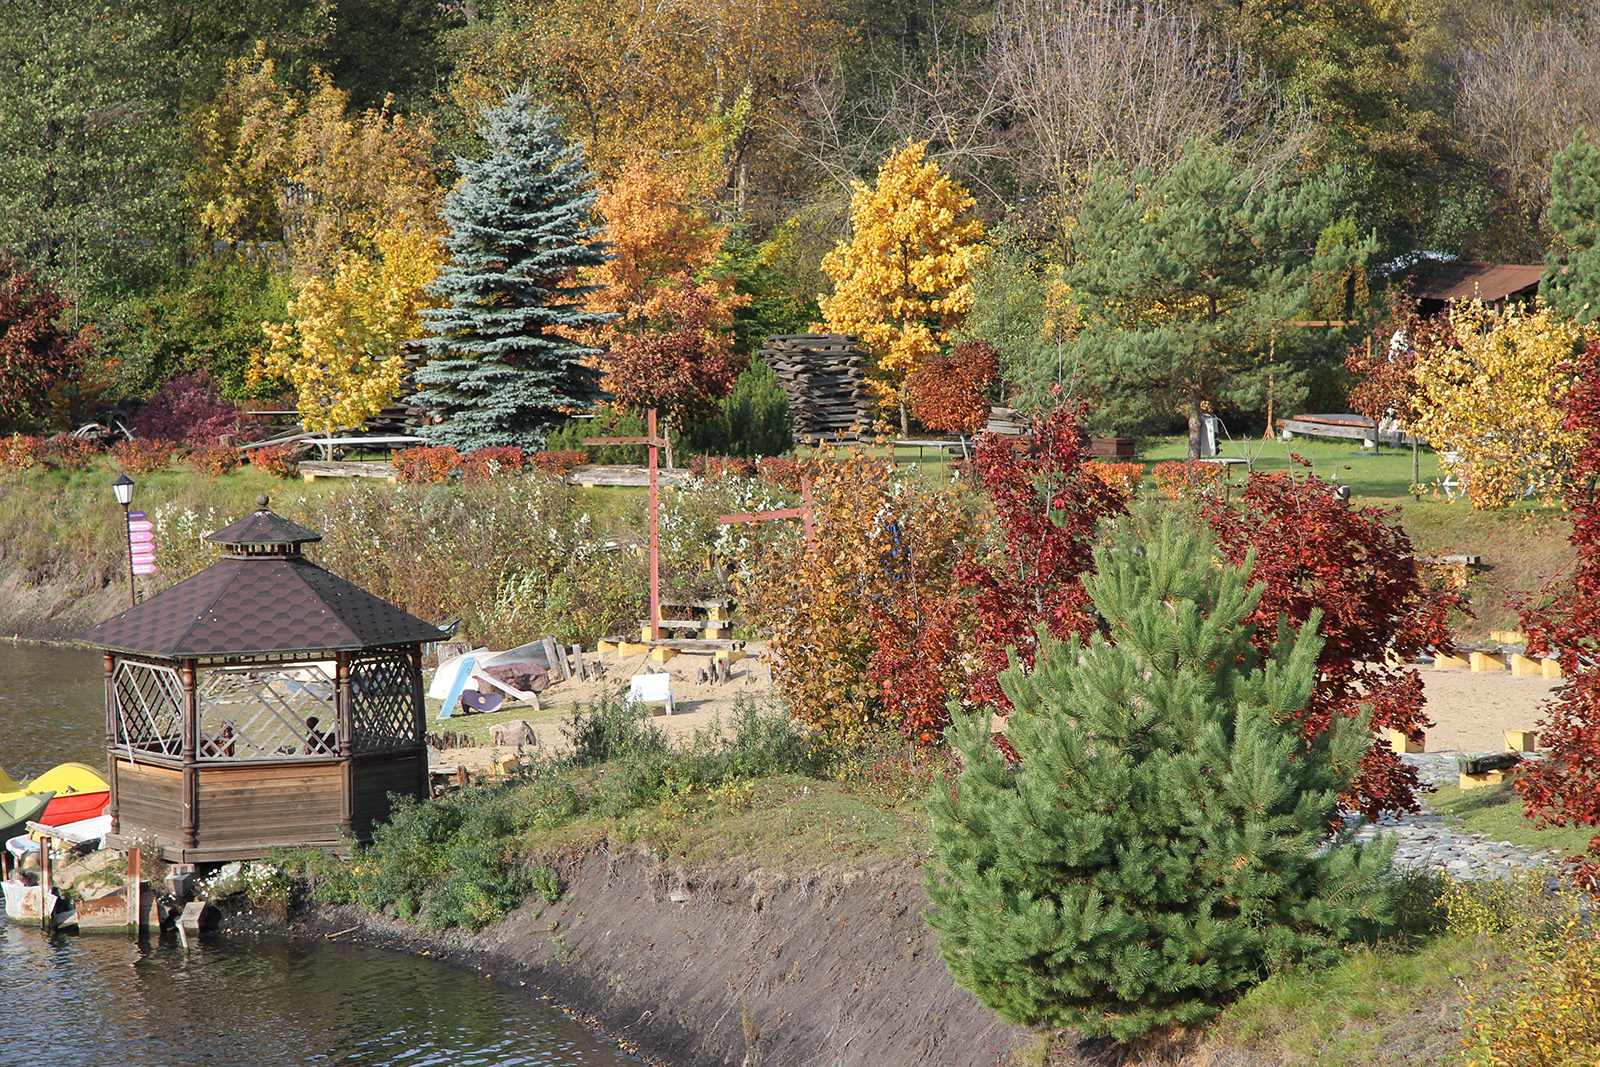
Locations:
(259, 704)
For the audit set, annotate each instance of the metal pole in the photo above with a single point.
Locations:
(127, 530)
(655, 540)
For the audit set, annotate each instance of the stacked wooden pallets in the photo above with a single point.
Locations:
(404, 416)
(824, 375)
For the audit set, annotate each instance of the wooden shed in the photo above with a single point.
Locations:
(261, 703)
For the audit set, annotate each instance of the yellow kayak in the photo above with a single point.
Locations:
(62, 778)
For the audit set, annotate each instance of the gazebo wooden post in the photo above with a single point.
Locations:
(111, 738)
(419, 705)
(191, 741)
(347, 746)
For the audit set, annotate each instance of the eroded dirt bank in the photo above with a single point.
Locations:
(730, 967)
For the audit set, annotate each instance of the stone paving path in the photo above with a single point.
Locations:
(1426, 840)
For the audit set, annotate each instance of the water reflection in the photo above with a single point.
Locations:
(52, 708)
(272, 1002)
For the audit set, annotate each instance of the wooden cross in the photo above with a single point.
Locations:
(655, 530)
(803, 512)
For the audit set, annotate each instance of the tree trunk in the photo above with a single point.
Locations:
(1196, 430)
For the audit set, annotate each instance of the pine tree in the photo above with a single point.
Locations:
(1155, 847)
(1182, 276)
(501, 372)
(1571, 281)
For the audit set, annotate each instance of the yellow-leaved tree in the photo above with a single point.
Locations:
(1489, 394)
(301, 170)
(340, 347)
(903, 281)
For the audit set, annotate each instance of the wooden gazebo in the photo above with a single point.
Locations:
(261, 703)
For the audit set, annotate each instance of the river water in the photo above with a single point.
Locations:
(72, 1001)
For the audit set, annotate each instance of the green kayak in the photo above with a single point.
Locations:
(17, 812)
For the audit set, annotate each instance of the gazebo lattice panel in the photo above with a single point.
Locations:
(384, 710)
(149, 708)
(249, 713)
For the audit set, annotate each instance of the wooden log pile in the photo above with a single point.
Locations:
(1005, 421)
(404, 416)
(825, 377)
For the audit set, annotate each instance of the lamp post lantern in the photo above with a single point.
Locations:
(122, 489)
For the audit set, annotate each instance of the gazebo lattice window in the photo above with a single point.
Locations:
(383, 701)
(149, 708)
(248, 713)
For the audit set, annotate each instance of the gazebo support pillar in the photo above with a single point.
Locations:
(421, 720)
(191, 735)
(111, 738)
(347, 745)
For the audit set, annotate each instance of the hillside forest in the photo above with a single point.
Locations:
(1138, 204)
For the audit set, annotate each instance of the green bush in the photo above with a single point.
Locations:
(452, 861)
(1158, 844)
(754, 419)
(607, 422)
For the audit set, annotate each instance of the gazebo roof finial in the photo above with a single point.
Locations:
(263, 533)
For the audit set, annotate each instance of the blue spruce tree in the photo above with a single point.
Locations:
(1163, 842)
(520, 230)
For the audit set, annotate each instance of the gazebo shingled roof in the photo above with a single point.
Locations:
(258, 601)
(263, 605)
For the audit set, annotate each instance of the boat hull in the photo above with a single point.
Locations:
(73, 807)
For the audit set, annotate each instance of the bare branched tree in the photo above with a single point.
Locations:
(1525, 85)
(1097, 82)
(854, 119)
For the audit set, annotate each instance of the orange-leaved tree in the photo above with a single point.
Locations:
(903, 281)
(947, 391)
(670, 343)
(879, 565)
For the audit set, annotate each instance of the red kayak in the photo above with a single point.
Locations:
(74, 807)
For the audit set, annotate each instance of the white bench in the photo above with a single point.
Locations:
(651, 689)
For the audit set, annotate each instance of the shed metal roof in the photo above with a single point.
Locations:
(1455, 280)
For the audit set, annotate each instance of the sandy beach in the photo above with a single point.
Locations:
(1471, 710)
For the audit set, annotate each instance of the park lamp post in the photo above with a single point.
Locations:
(122, 489)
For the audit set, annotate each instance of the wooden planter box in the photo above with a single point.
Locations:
(1112, 447)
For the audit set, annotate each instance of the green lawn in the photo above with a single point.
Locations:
(1496, 811)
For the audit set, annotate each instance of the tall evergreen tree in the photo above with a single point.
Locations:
(1571, 281)
(1156, 847)
(1182, 276)
(501, 372)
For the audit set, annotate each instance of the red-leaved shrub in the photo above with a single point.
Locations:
(486, 464)
(142, 456)
(1047, 507)
(427, 465)
(214, 460)
(1188, 480)
(187, 410)
(19, 452)
(275, 460)
(68, 453)
(559, 463)
(1357, 567)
